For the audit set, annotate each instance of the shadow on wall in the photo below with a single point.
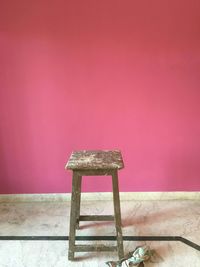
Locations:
(4, 169)
(184, 171)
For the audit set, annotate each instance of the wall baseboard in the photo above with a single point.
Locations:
(100, 196)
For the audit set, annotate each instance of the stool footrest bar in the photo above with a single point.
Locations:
(90, 248)
(96, 218)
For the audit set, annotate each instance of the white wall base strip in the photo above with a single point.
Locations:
(101, 196)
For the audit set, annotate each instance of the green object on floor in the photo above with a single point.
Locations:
(135, 258)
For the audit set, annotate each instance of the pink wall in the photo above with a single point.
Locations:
(95, 75)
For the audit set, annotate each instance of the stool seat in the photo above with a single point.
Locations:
(95, 160)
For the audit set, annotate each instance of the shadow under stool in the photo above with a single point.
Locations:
(94, 163)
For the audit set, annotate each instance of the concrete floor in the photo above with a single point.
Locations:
(173, 218)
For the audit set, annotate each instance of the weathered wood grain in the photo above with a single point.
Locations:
(95, 159)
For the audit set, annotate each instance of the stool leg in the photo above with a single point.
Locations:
(73, 214)
(117, 212)
(78, 202)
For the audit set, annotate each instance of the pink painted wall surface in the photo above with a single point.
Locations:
(100, 75)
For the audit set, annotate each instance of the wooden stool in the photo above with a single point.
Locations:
(89, 163)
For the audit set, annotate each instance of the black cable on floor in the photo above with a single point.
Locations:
(102, 238)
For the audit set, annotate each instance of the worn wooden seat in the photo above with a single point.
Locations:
(95, 162)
